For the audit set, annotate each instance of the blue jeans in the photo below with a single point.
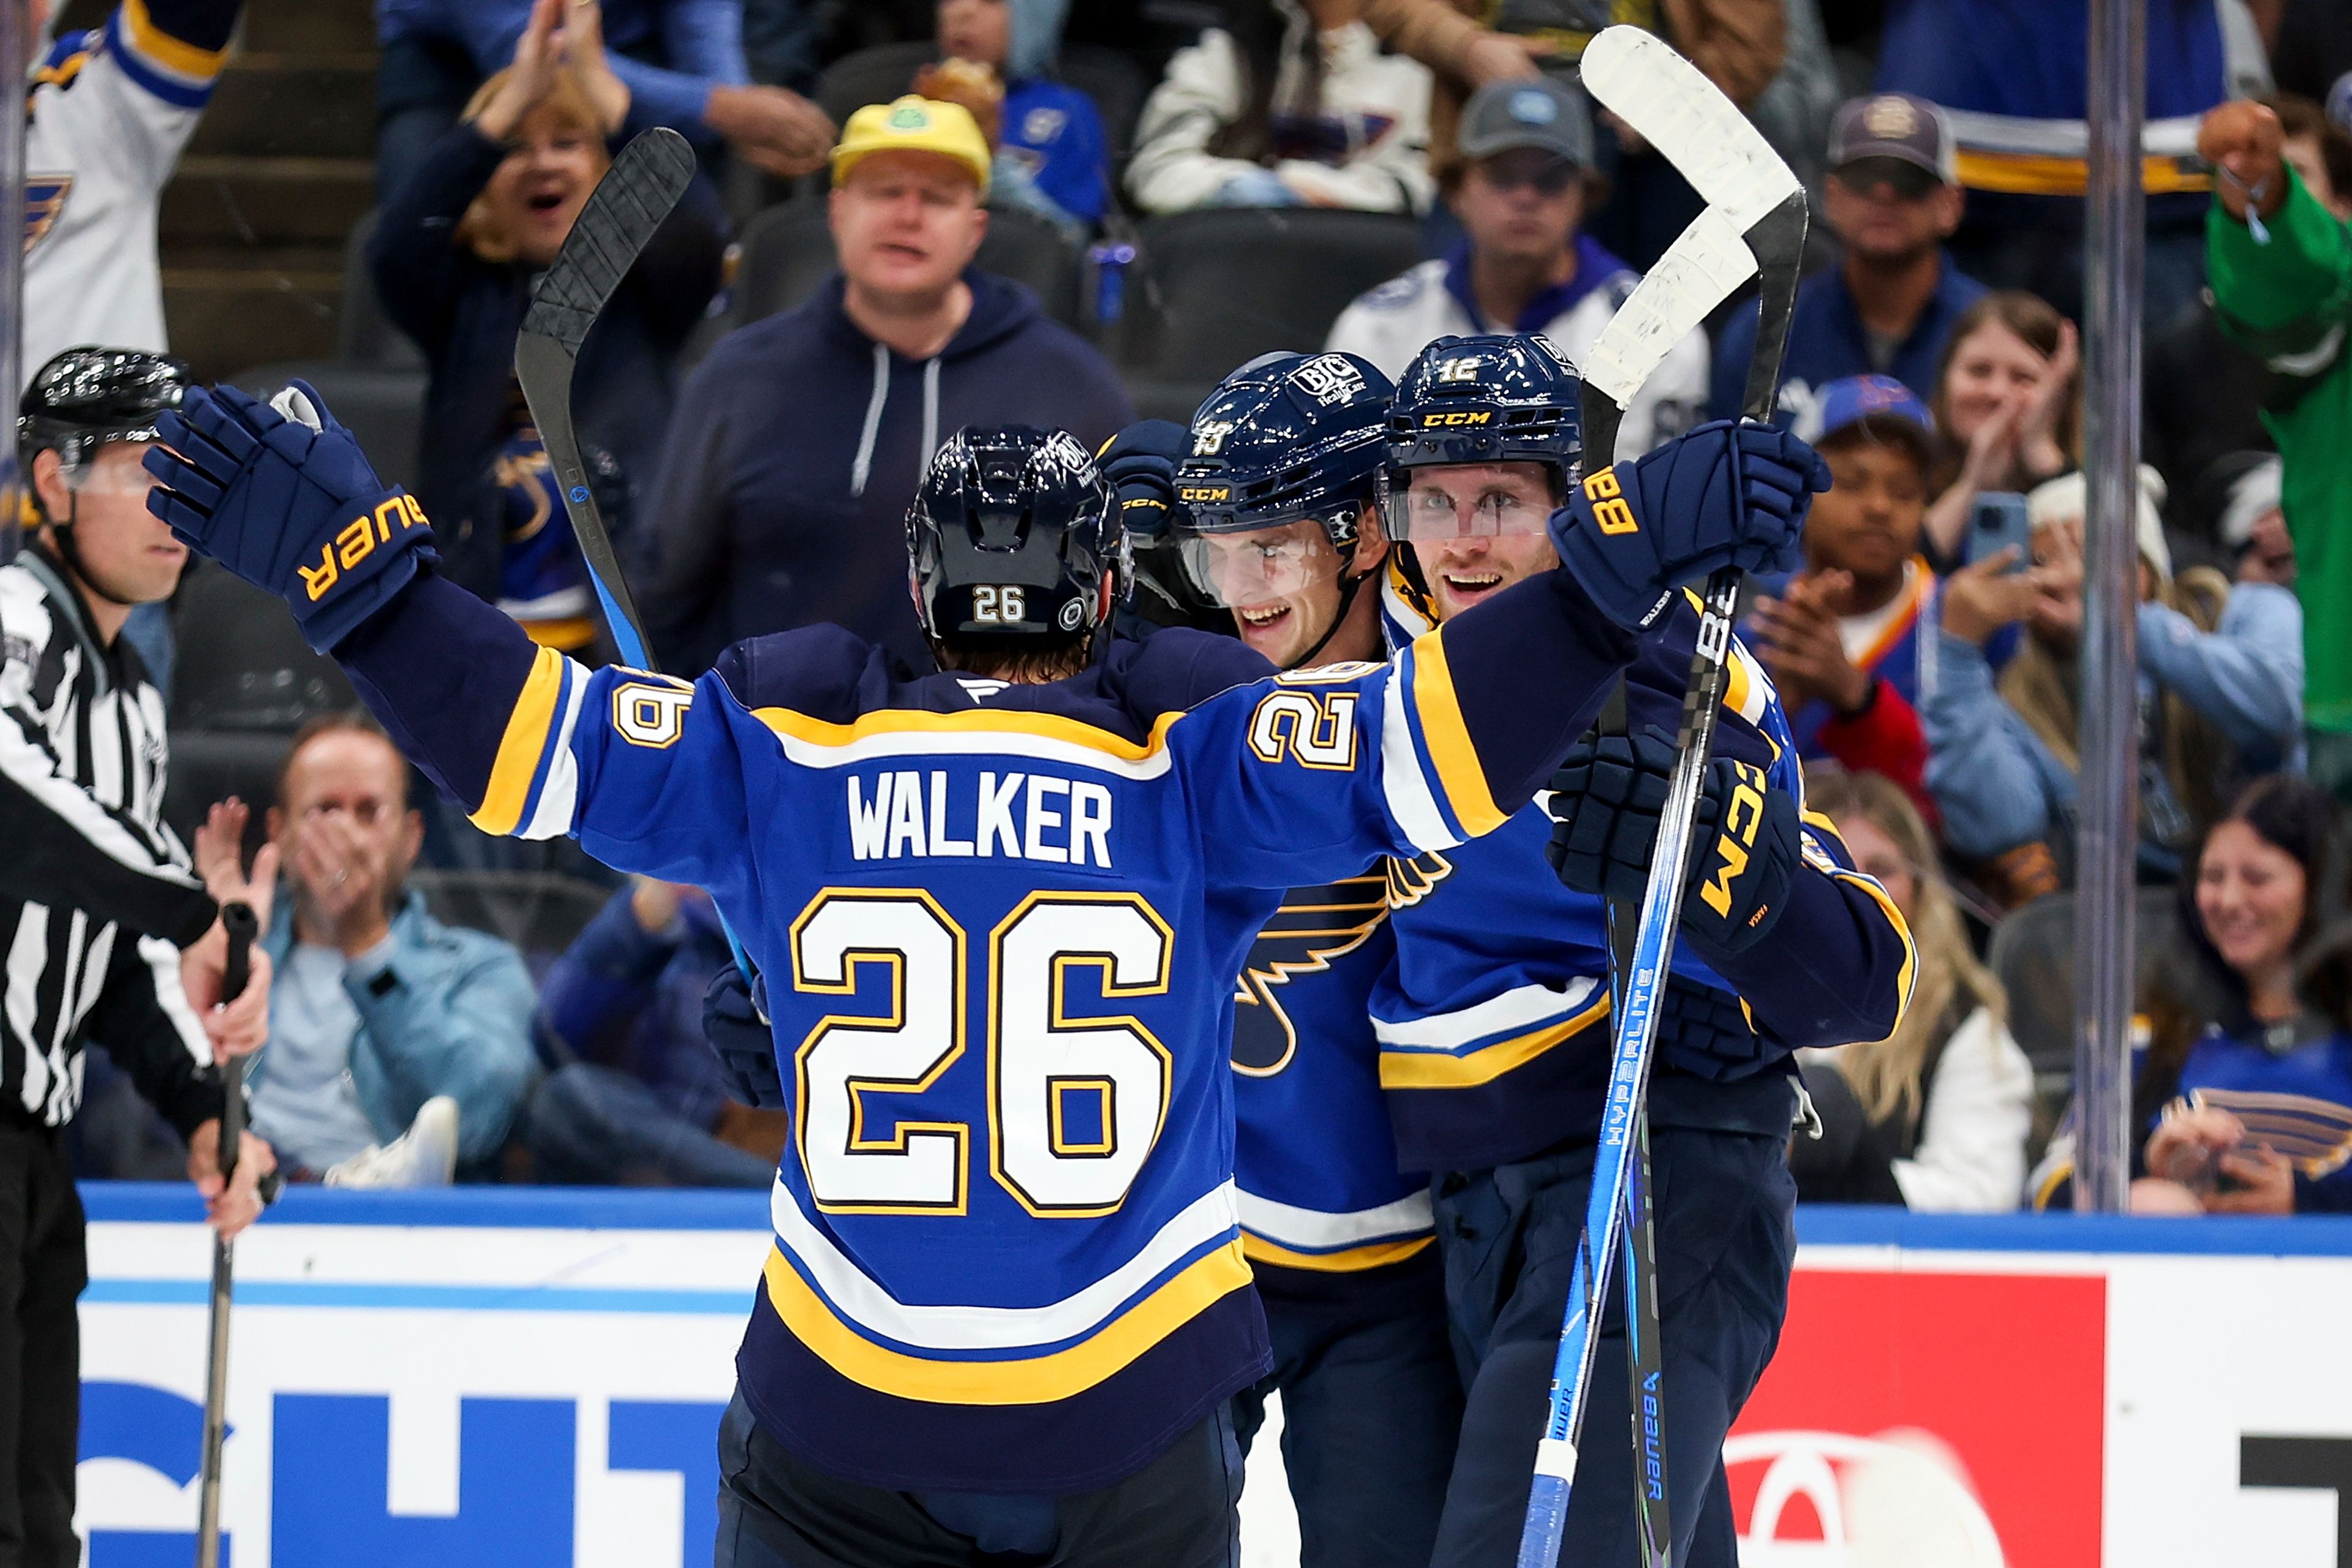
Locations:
(776, 1510)
(1508, 1235)
(589, 1125)
(1370, 1404)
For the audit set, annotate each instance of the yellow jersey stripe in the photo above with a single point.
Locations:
(1902, 929)
(166, 50)
(524, 742)
(1349, 1261)
(1448, 739)
(974, 722)
(1440, 1069)
(1033, 1380)
(2039, 174)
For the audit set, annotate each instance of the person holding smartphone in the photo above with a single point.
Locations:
(2220, 682)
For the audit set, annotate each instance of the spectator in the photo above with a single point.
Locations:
(1524, 265)
(1892, 196)
(1947, 1100)
(453, 259)
(399, 1048)
(1290, 104)
(2008, 409)
(96, 161)
(641, 1101)
(2252, 524)
(2245, 1089)
(1843, 641)
(1738, 43)
(682, 61)
(800, 440)
(2016, 73)
(2287, 296)
(1052, 155)
(2205, 391)
(2219, 681)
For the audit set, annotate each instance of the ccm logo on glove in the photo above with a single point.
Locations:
(358, 540)
(1741, 814)
(1611, 511)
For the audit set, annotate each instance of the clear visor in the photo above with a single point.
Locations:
(1466, 500)
(1237, 571)
(113, 468)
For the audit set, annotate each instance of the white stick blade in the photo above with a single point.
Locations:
(1698, 273)
(1638, 77)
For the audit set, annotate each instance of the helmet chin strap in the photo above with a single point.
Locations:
(1349, 586)
(71, 554)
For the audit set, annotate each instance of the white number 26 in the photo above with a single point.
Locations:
(999, 605)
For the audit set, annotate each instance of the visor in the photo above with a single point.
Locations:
(1417, 506)
(1237, 570)
(90, 475)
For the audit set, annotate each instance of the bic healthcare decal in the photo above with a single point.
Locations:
(1925, 1418)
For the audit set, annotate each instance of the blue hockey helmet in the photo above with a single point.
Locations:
(1011, 534)
(1287, 439)
(1503, 397)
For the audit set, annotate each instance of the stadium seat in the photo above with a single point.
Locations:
(213, 764)
(384, 405)
(363, 335)
(2032, 953)
(539, 911)
(875, 75)
(1211, 290)
(879, 74)
(788, 254)
(242, 665)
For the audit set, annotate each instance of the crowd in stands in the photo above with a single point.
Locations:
(910, 218)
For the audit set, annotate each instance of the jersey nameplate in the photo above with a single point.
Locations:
(1019, 816)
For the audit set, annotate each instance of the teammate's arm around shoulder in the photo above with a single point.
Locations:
(534, 744)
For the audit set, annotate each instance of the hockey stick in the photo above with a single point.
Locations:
(237, 921)
(1754, 206)
(628, 204)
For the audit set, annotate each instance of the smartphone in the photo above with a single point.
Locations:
(1996, 521)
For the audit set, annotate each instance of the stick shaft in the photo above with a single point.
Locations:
(238, 921)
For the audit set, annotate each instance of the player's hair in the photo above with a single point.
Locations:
(343, 721)
(1029, 661)
(478, 230)
(1888, 1075)
(2299, 116)
(2036, 320)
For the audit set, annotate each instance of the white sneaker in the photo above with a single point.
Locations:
(423, 1156)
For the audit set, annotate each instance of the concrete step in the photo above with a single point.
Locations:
(223, 318)
(306, 105)
(237, 199)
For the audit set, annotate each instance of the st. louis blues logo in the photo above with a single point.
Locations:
(1314, 926)
(1410, 882)
(45, 199)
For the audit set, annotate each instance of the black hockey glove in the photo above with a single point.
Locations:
(1605, 805)
(745, 1046)
(1140, 464)
(1705, 1033)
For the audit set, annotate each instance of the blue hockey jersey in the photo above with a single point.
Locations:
(1494, 1019)
(998, 927)
(1314, 1162)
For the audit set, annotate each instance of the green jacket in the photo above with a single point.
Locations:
(2290, 302)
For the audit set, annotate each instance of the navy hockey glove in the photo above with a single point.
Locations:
(1606, 803)
(287, 503)
(1705, 1033)
(746, 1047)
(1140, 464)
(1727, 494)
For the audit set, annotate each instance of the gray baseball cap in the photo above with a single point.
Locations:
(1541, 112)
(1895, 125)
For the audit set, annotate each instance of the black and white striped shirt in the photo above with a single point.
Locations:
(96, 894)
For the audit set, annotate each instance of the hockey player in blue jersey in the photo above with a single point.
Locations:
(1494, 1019)
(997, 910)
(1278, 523)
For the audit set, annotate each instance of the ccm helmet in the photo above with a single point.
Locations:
(1012, 534)
(1287, 439)
(88, 397)
(1497, 398)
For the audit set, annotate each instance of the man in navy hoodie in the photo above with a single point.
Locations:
(799, 442)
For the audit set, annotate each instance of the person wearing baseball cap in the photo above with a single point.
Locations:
(1892, 197)
(802, 438)
(1522, 190)
(1842, 640)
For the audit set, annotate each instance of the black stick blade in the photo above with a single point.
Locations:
(627, 205)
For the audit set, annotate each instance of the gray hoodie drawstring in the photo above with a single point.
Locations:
(863, 466)
(864, 461)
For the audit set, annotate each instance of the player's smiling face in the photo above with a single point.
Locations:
(1281, 584)
(1477, 527)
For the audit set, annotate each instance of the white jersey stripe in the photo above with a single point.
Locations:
(1514, 1012)
(1404, 776)
(1313, 1230)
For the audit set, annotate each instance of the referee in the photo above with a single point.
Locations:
(97, 901)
